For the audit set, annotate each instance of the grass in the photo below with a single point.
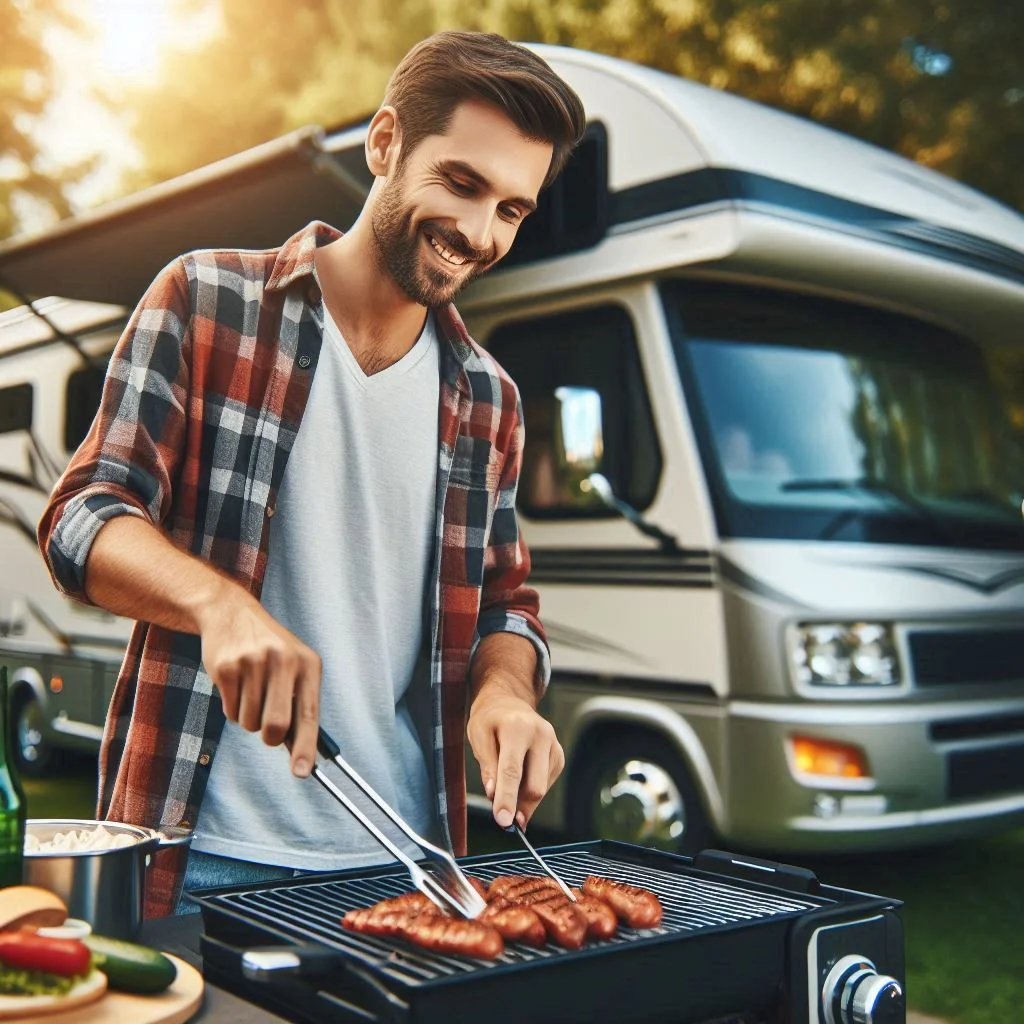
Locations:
(963, 904)
(71, 794)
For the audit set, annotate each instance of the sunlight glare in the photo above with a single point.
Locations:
(130, 35)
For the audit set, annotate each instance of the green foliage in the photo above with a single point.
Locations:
(860, 66)
(275, 65)
(26, 86)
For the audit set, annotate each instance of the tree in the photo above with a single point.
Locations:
(275, 65)
(26, 86)
(940, 81)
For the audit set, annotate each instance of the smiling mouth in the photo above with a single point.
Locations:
(453, 259)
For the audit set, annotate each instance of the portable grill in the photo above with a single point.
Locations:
(741, 939)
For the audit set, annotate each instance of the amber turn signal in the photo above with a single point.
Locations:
(826, 757)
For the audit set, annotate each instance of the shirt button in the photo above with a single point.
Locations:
(270, 511)
(304, 362)
(184, 823)
(204, 759)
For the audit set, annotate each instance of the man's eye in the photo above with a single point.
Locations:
(462, 187)
(511, 213)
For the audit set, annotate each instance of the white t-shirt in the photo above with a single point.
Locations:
(351, 550)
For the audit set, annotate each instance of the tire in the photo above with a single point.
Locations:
(656, 804)
(34, 755)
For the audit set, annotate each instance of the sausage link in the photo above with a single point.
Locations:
(637, 907)
(602, 922)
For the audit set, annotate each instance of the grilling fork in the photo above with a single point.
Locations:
(514, 827)
(457, 895)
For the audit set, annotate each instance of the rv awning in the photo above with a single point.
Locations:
(253, 200)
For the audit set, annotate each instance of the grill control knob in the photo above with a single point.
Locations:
(855, 993)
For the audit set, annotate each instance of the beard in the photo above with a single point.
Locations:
(399, 245)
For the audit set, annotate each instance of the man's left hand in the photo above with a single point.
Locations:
(519, 755)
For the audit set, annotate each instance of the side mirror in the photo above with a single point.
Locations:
(579, 437)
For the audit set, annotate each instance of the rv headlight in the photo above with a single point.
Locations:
(846, 654)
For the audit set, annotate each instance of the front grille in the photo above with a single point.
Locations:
(312, 911)
(995, 771)
(944, 658)
(977, 728)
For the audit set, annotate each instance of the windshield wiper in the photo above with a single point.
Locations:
(868, 485)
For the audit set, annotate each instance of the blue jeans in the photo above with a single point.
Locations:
(207, 871)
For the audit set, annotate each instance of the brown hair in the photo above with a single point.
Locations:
(448, 68)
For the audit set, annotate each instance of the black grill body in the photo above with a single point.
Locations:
(741, 939)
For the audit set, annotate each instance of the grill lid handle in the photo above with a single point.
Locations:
(275, 963)
(754, 869)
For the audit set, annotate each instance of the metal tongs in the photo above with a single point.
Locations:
(449, 889)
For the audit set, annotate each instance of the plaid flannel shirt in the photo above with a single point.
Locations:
(201, 404)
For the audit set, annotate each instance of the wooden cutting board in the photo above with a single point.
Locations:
(175, 1005)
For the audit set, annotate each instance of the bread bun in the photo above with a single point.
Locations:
(88, 990)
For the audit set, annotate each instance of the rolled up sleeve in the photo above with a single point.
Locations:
(128, 460)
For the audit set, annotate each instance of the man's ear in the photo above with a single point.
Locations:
(383, 142)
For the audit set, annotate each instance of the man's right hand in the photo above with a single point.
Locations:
(269, 680)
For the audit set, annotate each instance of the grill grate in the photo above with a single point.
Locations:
(312, 911)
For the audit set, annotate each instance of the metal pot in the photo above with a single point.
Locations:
(104, 887)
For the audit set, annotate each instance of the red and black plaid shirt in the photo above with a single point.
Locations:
(201, 404)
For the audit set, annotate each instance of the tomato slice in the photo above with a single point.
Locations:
(32, 952)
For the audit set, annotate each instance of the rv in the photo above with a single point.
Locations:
(772, 483)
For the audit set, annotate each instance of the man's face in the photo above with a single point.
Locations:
(453, 208)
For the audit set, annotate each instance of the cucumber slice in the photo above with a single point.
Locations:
(130, 967)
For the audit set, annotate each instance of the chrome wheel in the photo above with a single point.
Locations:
(638, 802)
(635, 788)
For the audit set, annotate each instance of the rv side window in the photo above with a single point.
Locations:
(572, 214)
(593, 348)
(81, 400)
(15, 408)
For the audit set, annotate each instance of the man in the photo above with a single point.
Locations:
(301, 482)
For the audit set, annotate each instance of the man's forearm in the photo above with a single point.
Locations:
(135, 571)
(505, 660)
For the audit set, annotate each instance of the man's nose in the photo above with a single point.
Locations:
(476, 226)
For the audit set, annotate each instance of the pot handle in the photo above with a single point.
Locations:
(171, 835)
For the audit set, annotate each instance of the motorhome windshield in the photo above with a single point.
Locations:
(818, 420)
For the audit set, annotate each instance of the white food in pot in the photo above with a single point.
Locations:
(80, 840)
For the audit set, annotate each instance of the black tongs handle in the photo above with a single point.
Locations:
(326, 746)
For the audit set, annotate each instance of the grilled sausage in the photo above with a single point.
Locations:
(433, 931)
(515, 887)
(602, 922)
(567, 923)
(564, 923)
(637, 907)
(371, 921)
(515, 923)
(413, 902)
(478, 885)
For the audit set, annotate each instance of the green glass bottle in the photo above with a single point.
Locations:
(13, 806)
